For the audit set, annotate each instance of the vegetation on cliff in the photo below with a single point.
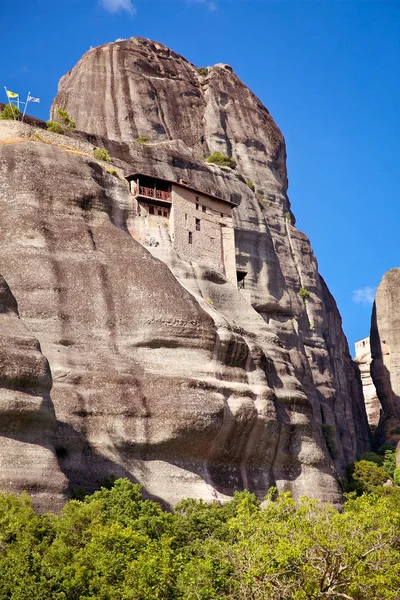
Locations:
(114, 544)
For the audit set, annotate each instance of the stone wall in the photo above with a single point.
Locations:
(207, 247)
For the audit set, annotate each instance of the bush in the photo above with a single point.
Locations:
(396, 475)
(369, 475)
(65, 120)
(55, 127)
(202, 71)
(222, 160)
(251, 185)
(373, 457)
(143, 139)
(304, 293)
(389, 462)
(114, 172)
(101, 154)
(9, 113)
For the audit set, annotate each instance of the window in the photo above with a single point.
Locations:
(203, 208)
(197, 224)
(240, 275)
(151, 210)
(185, 217)
(197, 203)
(159, 211)
(222, 214)
(190, 237)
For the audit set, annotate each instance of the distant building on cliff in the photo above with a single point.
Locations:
(362, 347)
(197, 224)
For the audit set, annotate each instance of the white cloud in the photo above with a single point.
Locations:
(207, 3)
(114, 6)
(364, 295)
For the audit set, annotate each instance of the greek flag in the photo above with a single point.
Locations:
(32, 99)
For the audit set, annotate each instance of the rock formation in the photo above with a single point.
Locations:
(385, 367)
(28, 422)
(372, 404)
(167, 373)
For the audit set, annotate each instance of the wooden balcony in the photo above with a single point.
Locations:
(153, 194)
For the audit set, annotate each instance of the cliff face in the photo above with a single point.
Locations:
(385, 366)
(165, 372)
(363, 360)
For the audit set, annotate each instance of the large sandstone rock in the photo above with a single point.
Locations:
(385, 348)
(166, 373)
(145, 382)
(28, 458)
(140, 87)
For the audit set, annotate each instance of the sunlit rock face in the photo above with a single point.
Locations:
(363, 360)
(162, 370)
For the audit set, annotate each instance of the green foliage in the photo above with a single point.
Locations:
(288, 217)
(304, 293)
(251, 185)
(222, 160)
(143, 139)
(114, 173)
(389, 462)
(114, 545)
(328, 432)
(55, 127)
(369, 475)
(396, 475)
(101, 154)
(373, 457)
(386, 446)
(202, 71)
(395, 431)
(8, 113)
(66, 122)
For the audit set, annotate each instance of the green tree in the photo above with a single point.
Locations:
(10, 112)
(66, 122)
(369, 475)
(55, 127)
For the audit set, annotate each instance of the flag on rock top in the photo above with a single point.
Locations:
(32, 99)
(11, 94)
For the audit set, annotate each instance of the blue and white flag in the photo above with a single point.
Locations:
(32, 99)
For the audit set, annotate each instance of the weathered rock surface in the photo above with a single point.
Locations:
(168, 374)
(363, 360)
(27, 427)
(385, 351)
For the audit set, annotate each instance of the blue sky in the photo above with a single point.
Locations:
(328, 71)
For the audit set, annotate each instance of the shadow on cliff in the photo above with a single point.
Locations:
(85, 468)
(381, 377)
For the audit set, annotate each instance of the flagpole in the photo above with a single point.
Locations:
(26, 104)
(10, 103)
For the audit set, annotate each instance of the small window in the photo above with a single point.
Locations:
(197, 203)
(151, 210)
(185, 217)
(159, 211)
(203, 208)
(240, 275)
(190, 237)
(222, 214)
(197, 224)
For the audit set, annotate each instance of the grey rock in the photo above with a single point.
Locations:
(163, 371)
